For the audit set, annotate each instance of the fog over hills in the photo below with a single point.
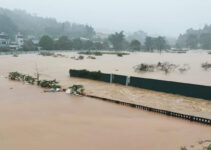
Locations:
(157, 17)
(15, 21)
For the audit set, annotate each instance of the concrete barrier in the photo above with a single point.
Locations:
(185, 89)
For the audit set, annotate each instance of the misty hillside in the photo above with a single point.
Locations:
(15, 21)
(195, 39)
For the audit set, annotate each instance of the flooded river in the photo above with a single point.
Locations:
(58, 68)
(31, 119)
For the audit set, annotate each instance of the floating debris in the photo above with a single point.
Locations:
(76, 90)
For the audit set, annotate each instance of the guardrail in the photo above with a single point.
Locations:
(160, 111)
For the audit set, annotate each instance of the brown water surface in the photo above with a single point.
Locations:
(33, 120)
(58, 68)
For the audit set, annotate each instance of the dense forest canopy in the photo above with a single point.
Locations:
(15, 21)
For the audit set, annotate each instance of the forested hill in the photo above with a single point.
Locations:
(13, 21)
(196, 39)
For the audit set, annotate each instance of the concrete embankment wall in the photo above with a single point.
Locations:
(185, 89)
(151, 84)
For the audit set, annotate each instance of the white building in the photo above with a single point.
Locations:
(4, 40)
(19, 40)
(84, 39)
(14, 46)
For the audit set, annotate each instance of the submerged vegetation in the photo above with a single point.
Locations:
(51, 54)
(15, 55)
(96, 75)
(206, 66)
(46, 54)
(183, 148)
(178, 51)
(202, 145)
(16, 76)
(145, 67)
(21, 77)
(78, 58)
(100, 53)
(184, 68)
(91, 53)
(91, 57)
(165, 67)
(77, 89)
(51, 84)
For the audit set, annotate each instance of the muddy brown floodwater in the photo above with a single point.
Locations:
(31, 119)
(58, 68)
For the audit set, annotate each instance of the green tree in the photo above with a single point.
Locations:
(46, 42)
(192, 41)
(205, 41)
(64, 43)
(105, 44)
(29, 45)
(148, 43)
(98, 46)
(77, 44)
(88, 45)
(117, 40)
(160, 43)
(135, 45)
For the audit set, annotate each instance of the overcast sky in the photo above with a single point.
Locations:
(165, 17)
